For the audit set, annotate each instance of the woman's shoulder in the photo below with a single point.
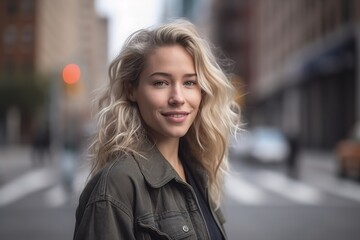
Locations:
(115, 182)
(122, 175)
(121, 168)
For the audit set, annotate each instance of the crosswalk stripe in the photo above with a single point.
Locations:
(81, 179)
(28, 183)
(237, 186)
(243, 192)
(342, 188)
(56, 196)
(289, 188)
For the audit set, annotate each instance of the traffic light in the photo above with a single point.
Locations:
(71, 75)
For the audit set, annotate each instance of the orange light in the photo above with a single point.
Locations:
(71, 73)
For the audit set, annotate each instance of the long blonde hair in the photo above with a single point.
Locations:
(119, 122)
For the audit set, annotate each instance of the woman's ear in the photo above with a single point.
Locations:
(132, 97)
(131, 92)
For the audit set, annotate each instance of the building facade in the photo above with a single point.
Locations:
(300, 66)
(40, 37)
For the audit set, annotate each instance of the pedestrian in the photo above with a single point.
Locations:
(292, 157)
(40, 146)
(160, 153)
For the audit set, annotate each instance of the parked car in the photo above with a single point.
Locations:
(348, 154)
(261, 144)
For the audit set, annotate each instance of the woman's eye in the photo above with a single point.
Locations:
(160, 83)
(190, 83)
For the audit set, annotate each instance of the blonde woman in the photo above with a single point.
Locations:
(161, 148)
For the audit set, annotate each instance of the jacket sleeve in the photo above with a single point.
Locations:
(105, 220)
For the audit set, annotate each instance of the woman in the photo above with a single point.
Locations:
(160, 152)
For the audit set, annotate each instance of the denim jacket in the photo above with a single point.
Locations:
(142, 198)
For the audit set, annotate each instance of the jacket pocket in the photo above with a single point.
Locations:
(168, 225)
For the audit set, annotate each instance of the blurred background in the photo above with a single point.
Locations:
(295, 169)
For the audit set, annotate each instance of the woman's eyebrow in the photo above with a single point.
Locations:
(190, 75)
(164, 74)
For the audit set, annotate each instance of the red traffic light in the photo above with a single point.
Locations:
(71, 73)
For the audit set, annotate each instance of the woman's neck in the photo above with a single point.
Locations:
(170, 149)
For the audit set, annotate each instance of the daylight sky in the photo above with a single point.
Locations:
(127, 16)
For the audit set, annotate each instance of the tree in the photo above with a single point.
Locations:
(26, 91)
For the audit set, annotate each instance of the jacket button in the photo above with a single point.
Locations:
(185, 228)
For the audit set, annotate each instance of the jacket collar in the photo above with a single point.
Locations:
(156, 170)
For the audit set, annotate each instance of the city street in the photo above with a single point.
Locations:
(261, 202)
(113, 75)
(266, 204)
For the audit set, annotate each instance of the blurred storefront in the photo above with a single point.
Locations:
(298, 59)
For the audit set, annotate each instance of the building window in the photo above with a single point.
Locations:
(27, 66)
(10, 36)
(27, 35)
(27, 6)
(11, 7)
(9, 65)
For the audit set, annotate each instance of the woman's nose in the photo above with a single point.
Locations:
(176, 96)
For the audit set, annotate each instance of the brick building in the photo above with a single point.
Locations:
(39, 37)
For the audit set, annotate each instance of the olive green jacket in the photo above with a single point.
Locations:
(138, 198)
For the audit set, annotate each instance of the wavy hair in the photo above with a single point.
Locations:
(120, 129)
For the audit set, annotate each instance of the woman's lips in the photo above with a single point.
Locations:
(176, 117)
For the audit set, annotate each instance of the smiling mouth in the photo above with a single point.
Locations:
(176, 117)
(175, 114)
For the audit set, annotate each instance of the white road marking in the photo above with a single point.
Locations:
(243, 191)
(28, 183)
(255, 193)
(289, 188)
(81, 179)
(56, 196)
(342, 188)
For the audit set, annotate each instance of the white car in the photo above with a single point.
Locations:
(263, 144)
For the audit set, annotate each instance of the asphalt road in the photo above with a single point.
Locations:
(260, 203)
(272, 206)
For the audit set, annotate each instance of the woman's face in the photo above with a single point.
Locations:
(168, 95)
